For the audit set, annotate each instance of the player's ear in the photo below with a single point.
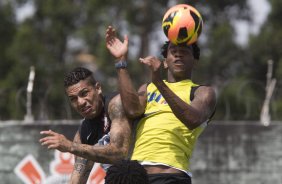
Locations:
(98, 87)
(165, 64)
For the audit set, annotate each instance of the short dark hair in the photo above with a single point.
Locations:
(126, 172)
(195, 48)
(78, 74)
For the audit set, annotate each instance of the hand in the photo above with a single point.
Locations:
(155, 66)
(117, 48)
(151, 61)
(54, 140)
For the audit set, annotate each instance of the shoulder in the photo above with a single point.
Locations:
(205, 98)
(115, 100)
(115, 108)
(205, 92)
(109, 97)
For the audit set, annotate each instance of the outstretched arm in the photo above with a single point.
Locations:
(134, 102)
(120, 134)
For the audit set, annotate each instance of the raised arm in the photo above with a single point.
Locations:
(134, 102)
(120, 135)
(201, 107)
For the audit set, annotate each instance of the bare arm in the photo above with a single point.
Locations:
(201, 107)
(119, 139)
(134, 102)
(82, 167)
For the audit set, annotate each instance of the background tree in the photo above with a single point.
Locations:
(7, 32)
(63, 34)
(264, 46)
(222, 59)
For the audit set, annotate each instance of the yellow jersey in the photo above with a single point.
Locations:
(161, 138)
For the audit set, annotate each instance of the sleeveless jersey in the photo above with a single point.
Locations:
(161, 138)
(91, 130)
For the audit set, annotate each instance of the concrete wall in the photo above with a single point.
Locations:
(18, 140)
(226, 153)
(239, 153)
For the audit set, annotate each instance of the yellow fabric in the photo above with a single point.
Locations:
(160, 136)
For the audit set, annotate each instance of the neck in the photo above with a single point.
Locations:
(173, 78)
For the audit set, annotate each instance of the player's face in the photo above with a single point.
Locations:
(180, 61)
(85, 98)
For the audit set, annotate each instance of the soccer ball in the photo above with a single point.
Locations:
(182, 24)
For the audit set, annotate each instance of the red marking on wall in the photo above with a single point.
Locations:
(97, 175)
(62, 164)
(30, 172)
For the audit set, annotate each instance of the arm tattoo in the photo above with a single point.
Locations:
(116, 110)
(119, 141)
(81, 166)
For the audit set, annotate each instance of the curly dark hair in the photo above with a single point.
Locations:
(78, 74)
(126, 172)
(195, 48)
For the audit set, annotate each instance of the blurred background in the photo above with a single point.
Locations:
(241, 55)
(238, 39)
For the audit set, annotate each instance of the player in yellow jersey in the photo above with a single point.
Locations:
(173, 112)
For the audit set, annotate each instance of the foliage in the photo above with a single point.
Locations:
(7, 31)
(63, 34)
(267, 46)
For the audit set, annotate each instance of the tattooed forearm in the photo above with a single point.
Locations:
(119, 139)
(80, 165)
(117, 149)
(81, 171)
